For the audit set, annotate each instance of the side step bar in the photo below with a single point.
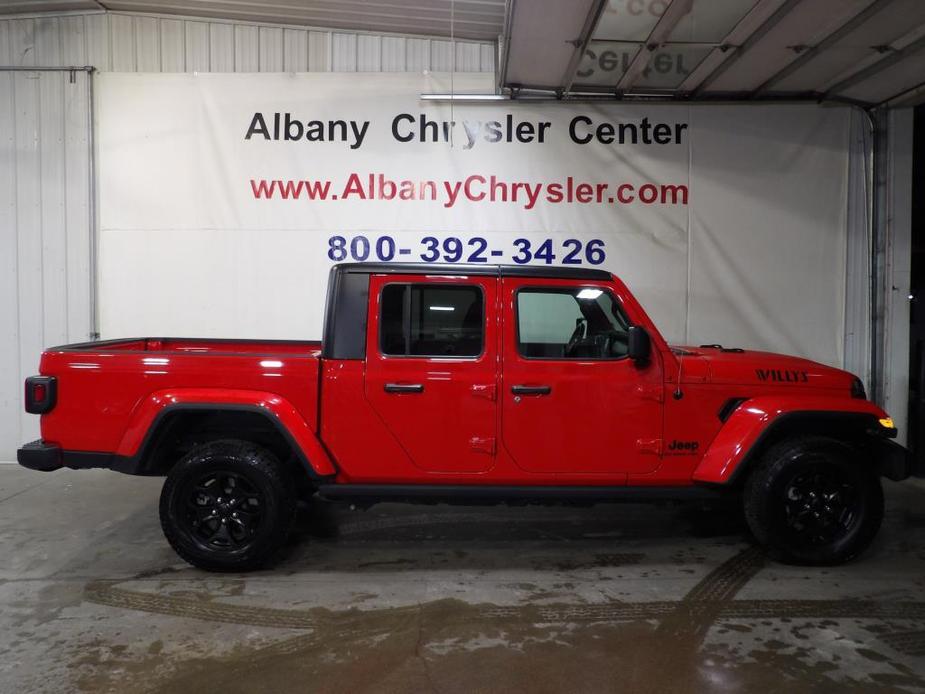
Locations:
(473, 494)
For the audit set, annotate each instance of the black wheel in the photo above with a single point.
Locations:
(813, 501)
(227, 506)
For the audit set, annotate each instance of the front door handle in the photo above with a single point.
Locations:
(404, 387)
(531, 390)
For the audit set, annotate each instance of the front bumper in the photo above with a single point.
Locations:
(40, 456)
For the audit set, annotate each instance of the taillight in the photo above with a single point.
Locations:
(41, 394)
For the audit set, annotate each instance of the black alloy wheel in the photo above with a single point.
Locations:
(821, 505)
(224, 510)
(814, 500)
(227, 506)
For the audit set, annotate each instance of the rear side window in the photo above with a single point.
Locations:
(430, 320)
(579, 323)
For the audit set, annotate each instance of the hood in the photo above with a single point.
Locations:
(717, 365)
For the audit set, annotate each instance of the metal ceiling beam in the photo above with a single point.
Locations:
(746, 46)
(659, 34)
(830, 40)
(861, 75)
(506, 42)
(581, 45)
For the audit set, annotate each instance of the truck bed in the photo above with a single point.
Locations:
(108, 390)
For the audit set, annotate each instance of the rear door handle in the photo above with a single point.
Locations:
(531, 390)
(404, 387)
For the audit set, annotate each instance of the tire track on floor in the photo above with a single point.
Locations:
(710, 599)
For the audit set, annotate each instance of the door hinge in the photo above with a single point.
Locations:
(653, 446)
(485, 390)
(483, 444)
(651, 391)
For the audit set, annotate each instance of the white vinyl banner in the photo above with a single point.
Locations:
(225, 198)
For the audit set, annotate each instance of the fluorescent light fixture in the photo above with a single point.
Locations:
(590, 293)
(441, 308)
(464, 97)
(271, 364)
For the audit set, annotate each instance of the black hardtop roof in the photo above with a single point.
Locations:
(550, 272)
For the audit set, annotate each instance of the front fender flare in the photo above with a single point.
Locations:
(734, 446)
(279, 412)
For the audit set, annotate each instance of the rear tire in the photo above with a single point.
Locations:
(812, 501)
(227, 506)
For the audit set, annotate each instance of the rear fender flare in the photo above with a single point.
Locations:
(754, 422)
(280, 413)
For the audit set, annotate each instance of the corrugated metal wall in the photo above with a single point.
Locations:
(44, 231)
(44, 164)
(144, 43)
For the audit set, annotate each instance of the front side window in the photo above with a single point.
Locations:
(431, 320)
(570, 323)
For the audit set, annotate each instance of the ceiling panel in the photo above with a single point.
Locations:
(740, 34)
(542, 50)
(605, 62)
(806, 24)
(670, 65)
(710, 21)
(889, 24)
(884, 85)
(627, 20)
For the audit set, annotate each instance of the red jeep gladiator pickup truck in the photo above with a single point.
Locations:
(468, 383)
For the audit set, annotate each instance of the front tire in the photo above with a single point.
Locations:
(812, 501)
(227, 506)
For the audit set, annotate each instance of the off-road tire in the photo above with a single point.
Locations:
(793, 524)
(238, 490)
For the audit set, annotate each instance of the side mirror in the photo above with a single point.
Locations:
(640, 345)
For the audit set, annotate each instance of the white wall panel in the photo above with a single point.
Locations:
(147, 44)
(122, 37)
(73, 35)
(343, 52)
(77, 208)
(295, 50)
(22, 42)
(417, 55)
(369, 53)
(221, 48)
(246, 48)
(99, 48)
(393, 54)
(10, 424)
(441, 56)
(44, 138)
(271, 49)
(44, 228)
(197, 47)
(173, 45)
(124, 42)
(319, 51)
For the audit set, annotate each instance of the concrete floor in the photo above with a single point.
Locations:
(415, 599)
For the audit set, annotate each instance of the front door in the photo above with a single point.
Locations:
(572, 400)
(432, 368)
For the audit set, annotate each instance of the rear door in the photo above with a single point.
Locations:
(432, 367)
(572, 401)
